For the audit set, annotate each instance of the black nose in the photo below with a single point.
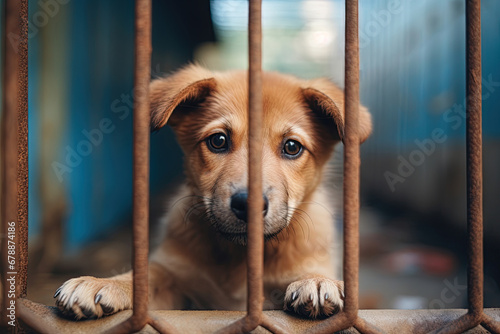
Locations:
(240, 207)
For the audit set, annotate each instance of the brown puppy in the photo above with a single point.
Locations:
(201, 263)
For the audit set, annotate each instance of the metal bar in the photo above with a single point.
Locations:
(236, 327)
(351, 161)
(349, 316)
(141, 130)
(14, 132)
(491, 324)
(271, 325)
(336, 323)
(9, 138)
(457, 326)
(141, 161)
(160, 325)
(474, 174)
(255, 249)
(364, 327)
(474, 159)
(391, 321)
(31, 318)
(22, 154)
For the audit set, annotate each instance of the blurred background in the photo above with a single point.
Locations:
(413, 218)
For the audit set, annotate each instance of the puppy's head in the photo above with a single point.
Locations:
(303, 120)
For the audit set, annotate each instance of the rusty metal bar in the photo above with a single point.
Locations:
(161, 325)
(9, 138)
(475, 278)
(363, 326)
(255, 247)
(22, 154)
(271, 325)
(14, 132)
(255, 250)
(491, 324)
(351, 161)
(474, 160)
(141, 159)
(349, 316)
(44, 319)
(141, 130)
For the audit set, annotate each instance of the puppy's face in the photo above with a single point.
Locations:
(211, 123)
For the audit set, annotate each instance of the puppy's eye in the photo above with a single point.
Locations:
(292, 149)
(218, 143)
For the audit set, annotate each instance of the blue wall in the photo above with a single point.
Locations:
(96, 183)
(413, 71)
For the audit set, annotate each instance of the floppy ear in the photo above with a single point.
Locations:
(185, 89)
(325, 98)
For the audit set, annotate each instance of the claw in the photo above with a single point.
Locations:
(326, 296)
(58, 291)
(342, 293)
(294, 295)
(97, 298)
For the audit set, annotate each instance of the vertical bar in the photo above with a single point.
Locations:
(14, 169)
(351, 161)
(349, 316)
(142, 122)
(474, 159)
(22, 154)
(9, 138)
(474, 175)
(141, 162)
(255, 250)
(142, 75)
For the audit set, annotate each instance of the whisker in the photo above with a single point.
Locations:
(327, 209)
(192, 210)
(184, 198)
(298, 217)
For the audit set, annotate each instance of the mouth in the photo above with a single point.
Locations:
(241, 238)
(230, 227)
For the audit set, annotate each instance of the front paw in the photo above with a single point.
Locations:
(89, 297)
(316, 297)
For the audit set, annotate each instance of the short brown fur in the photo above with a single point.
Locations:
(201, 263)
